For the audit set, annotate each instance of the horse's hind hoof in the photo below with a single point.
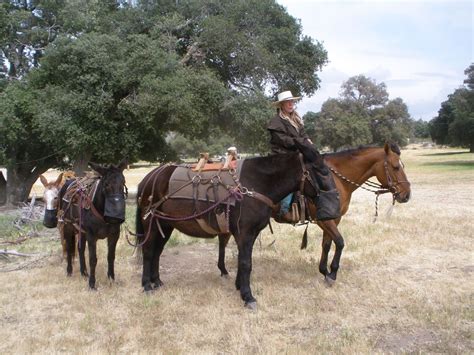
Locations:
(329, 282)
(251, 305)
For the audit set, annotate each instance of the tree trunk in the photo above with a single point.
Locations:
(3, 189)
(19, 184)
(80, 163)
(20, 180)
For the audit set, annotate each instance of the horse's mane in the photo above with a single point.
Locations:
(271, 158)
(354, 151)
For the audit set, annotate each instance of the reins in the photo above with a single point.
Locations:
(373, 187)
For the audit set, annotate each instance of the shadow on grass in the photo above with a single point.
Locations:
(445, 153)
(455, 164)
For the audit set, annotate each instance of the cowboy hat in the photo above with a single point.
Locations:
(285, 96)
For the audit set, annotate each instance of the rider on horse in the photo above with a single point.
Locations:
(286, 134)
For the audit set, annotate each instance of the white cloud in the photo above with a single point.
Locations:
(418, 48)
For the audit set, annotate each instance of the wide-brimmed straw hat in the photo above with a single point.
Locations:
(285, 96)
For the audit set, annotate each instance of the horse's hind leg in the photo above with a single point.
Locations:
(151, 255)
(159, 246)
(111, 244)
(223, 240)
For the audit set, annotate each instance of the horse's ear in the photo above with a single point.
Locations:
(308, 150)
(59, 179)
(99, 168)
(123, 164)
(387, 148)
(43, 180)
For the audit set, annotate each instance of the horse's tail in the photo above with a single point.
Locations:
(139, 230)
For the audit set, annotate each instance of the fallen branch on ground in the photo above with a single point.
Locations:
(14, 252)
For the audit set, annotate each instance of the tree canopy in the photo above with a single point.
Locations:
(362, 114)
(454, 124)
(104, 79)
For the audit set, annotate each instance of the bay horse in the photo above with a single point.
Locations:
(351, 169)
(93, 208)
(263, 182)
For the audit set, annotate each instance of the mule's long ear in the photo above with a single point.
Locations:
(43, 180)
(99, 168)
(123, 164)
(59, 180)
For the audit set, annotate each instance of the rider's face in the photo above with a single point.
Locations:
(288, 106)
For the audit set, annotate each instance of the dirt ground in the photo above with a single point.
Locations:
(405, 284)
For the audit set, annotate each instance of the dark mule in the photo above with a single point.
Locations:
(93, 208)
(263, 182)
(351, 169)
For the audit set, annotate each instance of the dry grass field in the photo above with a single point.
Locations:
(405, 284)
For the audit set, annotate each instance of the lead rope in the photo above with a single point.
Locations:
(370, 187)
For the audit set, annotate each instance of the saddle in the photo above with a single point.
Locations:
(208, 183)
(79, 193)
(86, 185)
(205, 165)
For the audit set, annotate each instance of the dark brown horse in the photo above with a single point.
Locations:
(263, 182)
(93, 208)
(351, 169)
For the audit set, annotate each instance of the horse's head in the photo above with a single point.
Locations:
(391, 175)
(113, 190)
(50, 198)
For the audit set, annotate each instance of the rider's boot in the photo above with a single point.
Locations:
(327, 201)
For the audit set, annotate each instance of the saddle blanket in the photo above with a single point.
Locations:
(208, 186)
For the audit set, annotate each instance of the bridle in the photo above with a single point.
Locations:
(377, 188)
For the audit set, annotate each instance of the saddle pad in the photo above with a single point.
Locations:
(211, 187)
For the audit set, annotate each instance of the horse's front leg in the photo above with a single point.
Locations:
(326, 246)
(69, 244)
(111, 247)
(223, 240)
(91, 241)
(330, 229)
(81, 247)
(245, 269)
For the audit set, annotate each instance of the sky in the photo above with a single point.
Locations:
(418, 48)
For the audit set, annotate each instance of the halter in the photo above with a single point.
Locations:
(392, 185)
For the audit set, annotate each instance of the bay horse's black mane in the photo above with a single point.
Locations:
(354, 151)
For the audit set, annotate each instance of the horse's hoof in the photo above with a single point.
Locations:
(158, 285)
(251, 305)
(329, 282)
(225, 276)
(92, 288)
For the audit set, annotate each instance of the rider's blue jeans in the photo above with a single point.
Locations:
(285, 204)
